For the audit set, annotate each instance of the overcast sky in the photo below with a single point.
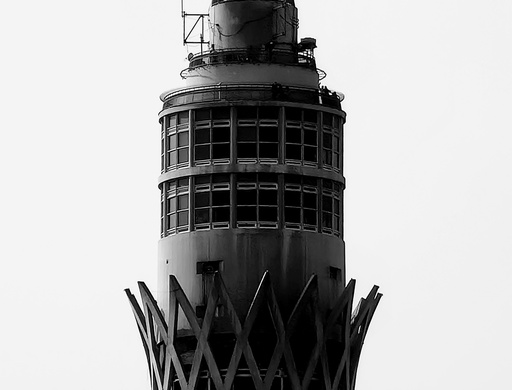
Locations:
(428, 161)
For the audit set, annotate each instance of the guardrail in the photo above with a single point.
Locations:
(244, 92)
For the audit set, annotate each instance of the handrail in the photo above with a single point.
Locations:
(252, 55)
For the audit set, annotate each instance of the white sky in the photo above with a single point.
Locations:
(428, 162)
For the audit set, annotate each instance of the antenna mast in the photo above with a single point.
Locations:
(198, 22)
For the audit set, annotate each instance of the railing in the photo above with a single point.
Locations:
(252, 55)
(259, 92)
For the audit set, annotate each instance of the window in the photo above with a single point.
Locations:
(212, 136)
(257, 200)
(257, 134)
(177, 140)
(177, 206)
(162, 146)
(301, 137)
(331, 218)
(331, 141)
(300, 203)
(309, 203)
(212, 202)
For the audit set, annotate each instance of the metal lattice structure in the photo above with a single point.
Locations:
(330, 362)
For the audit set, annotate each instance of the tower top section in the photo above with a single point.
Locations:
(253, 24)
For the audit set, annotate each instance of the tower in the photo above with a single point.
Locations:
(252, 290)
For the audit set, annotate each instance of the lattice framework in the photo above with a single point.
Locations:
(159, 337)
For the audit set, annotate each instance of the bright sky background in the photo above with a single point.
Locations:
(428, 161)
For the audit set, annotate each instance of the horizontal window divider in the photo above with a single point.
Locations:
(217, 225)
(268, 225)
(244, 225)
(221, 122)
(246, 161)
(221, 162)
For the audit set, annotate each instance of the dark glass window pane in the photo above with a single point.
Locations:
(221, 113)
(336, 206)
(173, 158)
(269, 112)
(183, 202)
(246, 177)
(220, 151)
(247, 150)
(183, 155)
(220, 178)
(220, 214)
(310, 137)
(327, 141)
(309, 116)
(246, 197)
(336, 144)
(293, 114)
(293, 135)
(327, 220)
(203, 179)
(327, 157)
(327, 119)
(327, 184)
(292, 198)
(172, 120)
(269, 150)
(183, 117)
(183, 138)
(327, 203)
(292, 215)
(202, 136)
(202, 115)
(172, 205)
(220, 134)
(173, 143)
(220, 198)
(337, 223)
(267, 178)
(246, 213)
(268, 214)
(247, 133)
(202, 199)
(309, 200)
(183, 218)
(203, 152)
(268, 134)
(171, 221)
(202, 216)
(293, 152)
(309, 217)
(292, 179)
(309, 181)
(246, 112)
(268, 197)
(336, 122)
(310, 153)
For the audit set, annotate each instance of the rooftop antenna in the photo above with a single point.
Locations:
(198, 23)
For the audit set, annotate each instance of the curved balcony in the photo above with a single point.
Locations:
(251, 92)
(253, 55)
